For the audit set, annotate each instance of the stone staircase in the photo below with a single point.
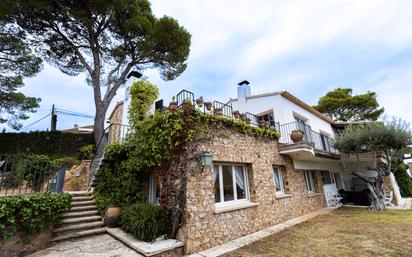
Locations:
(82, 219)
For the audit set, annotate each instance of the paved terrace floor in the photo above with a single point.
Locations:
(96, 246)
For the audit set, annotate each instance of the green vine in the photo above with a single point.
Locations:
(160, 143)
(142, 94)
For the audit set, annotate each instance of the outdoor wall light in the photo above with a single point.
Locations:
(206, 159)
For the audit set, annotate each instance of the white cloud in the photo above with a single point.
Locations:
(306, 47)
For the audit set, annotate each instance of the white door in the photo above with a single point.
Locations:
(329, 186)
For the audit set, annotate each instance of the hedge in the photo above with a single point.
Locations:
(51, 143)
(404, 180)
(32, 213)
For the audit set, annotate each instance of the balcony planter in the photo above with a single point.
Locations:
(236, 114)
(112, 215)
(172, 106)
(208, 105)
(187, 106)
(296, 136)
(218, 111)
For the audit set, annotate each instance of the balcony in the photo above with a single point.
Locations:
(299, 141)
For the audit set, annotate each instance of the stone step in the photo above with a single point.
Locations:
(81, 198)
(77, 234)
(82, 203)
(80, 193)
(79, 214)
(81, 219)
(80, 226)
(83, 208)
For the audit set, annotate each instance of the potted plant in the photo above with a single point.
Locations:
(218, 111)
(242, 117)
(199, 101)
(261, 123)
(187, 105)
(296, 135)
(112, 215)
(208, 105)
(236, 114)
(173, 104)
(267, 124)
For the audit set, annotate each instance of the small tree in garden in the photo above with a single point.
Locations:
(388, 138)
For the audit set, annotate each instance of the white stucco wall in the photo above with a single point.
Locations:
(283, 110)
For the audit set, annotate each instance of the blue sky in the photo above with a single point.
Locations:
(305, 47)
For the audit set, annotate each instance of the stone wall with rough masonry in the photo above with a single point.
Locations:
(206, 227)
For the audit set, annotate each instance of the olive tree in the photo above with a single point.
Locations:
(387, 138)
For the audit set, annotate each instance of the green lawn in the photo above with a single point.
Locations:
(344, 232)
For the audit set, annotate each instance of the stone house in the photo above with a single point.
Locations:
(255, 183)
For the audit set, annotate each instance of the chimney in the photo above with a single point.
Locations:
(243, 91)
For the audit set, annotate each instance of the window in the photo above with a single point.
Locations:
(338, 181)
(325, 142)
(326, 177)
(278, 180)
(269, 116)
(231, 183)
(154, 189)
(309, 181)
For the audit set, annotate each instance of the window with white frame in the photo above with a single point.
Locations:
(231, 183)
(309, 181)
(154, 189)
(278, 180)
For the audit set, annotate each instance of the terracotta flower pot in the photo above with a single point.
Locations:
(172, 106)
(236, 114)
(111, 216)
(296, 136)
(187, 107)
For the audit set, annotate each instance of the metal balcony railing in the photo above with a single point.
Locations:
(315, 139)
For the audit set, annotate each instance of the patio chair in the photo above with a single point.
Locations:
(334, 200)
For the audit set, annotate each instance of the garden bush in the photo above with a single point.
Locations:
(32, 213)
(403, 180)
(145, 221)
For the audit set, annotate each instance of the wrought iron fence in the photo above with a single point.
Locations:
(20, 174)
(315, 139)
(225, 109)
(185, 95)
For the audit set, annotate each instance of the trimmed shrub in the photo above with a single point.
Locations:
(50, 143)
(404, 181)
(145, 221)
(31, 214)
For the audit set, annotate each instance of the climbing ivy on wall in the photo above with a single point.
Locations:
(160, 144)
(143, 94)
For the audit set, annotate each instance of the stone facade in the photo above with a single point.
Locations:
(207, 226)
(116, 119)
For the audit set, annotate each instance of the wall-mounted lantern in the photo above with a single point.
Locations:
(206, 159)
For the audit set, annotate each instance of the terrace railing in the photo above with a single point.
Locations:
(315, 139)
(184, 95)
(20, 175)
(226, 109)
